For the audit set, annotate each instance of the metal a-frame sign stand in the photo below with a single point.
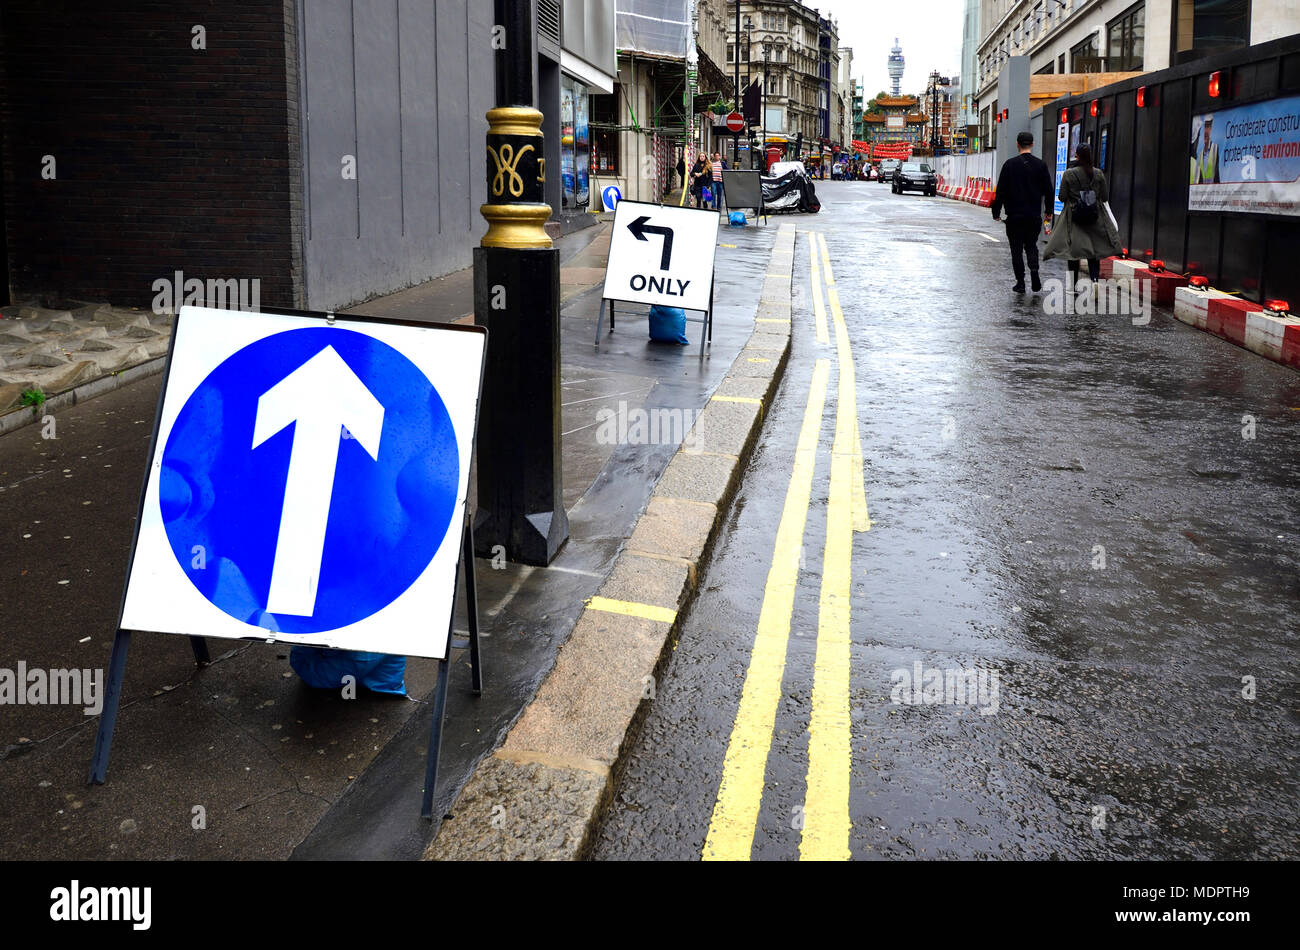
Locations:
(645, 225)
(202, 657)
(706, 331)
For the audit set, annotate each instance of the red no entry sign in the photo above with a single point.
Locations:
(735, 122)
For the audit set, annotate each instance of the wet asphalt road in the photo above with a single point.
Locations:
(1068, 502)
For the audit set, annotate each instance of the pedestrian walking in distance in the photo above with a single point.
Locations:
(701, 175)
(718, 166)
(1025, 192)
(1085, 231)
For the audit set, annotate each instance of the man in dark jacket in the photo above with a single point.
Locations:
(1025, 191)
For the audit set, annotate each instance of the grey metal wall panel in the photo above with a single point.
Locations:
(402, 85)
(453, 117)
(482, 96)
(329, 118)
(419, 122)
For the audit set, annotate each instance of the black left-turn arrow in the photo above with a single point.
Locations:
(640, 229)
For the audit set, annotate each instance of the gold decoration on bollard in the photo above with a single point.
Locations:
(507, 163)
(514, 120)
(522, 226)
(517, 225)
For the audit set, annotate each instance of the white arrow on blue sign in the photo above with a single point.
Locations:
(308, 482)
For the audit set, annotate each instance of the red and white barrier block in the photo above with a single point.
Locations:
(1192, 304)
(1274, 334)
(1161, 284)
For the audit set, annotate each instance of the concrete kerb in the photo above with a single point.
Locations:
(17, 418)
(544, 792)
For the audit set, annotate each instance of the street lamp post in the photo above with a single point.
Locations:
(517, 296)
(767, 54)
(934, 113)
(749, 79)
(735, 138)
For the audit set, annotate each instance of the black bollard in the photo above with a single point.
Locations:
(517, 297)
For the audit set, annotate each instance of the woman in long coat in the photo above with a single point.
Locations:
(1089, 242)
(701, 176)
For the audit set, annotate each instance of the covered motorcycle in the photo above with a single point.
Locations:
(790, 192)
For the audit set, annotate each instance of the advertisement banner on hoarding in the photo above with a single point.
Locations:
(1247, 159)
(1062, 160)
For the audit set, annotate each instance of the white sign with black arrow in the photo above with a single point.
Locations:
(661, 255)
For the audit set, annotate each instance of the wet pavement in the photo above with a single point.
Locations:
(277, 769)
(1094, 521)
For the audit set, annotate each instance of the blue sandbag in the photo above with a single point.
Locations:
(324, 669)
(736, 219)
(668, 324)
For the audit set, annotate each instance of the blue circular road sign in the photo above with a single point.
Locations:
(309, 480)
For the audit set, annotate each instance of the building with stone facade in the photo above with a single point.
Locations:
(844, 97)
(1108, 40)
(797, 54)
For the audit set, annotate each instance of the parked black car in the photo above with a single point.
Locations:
(915, 176)
(887, 168)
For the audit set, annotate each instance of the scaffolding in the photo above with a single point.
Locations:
(658, 34)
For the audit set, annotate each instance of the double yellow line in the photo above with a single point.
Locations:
(825, 820)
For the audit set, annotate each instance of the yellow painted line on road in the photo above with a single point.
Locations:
(632, 609)
(819, 308)
(735, 813)
(861, 518)
(826, 260)
(826, 821)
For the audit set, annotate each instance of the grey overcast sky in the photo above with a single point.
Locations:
(929, 31)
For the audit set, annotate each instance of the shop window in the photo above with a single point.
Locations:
(1086, 57)
(575, 146)
(604, 152)
(605, 139)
